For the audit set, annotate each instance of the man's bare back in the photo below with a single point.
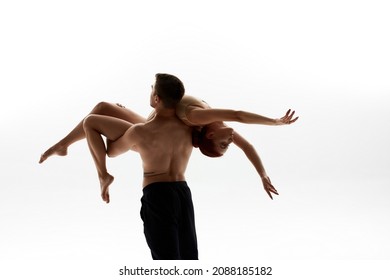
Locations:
(165, 149)
(164, 144)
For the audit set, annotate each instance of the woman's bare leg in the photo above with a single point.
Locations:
(94, 127)
(77, 134)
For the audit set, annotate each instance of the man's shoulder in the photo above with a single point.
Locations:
(145, 129)
(136, 129)
(140, 127)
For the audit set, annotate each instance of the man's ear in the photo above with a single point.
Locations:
(156, 99)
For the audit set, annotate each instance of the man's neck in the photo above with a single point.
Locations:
(165, 113)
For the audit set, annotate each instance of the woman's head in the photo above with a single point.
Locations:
(213, 140)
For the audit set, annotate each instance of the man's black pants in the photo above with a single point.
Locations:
(169, 223)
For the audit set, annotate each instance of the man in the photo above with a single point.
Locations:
(165, 145)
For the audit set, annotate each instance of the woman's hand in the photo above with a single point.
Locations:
(287, 119)
(269, 188)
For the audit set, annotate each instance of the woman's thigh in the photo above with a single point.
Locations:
(119, 111)
(109, 126)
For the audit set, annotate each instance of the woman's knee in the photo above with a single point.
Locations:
(102, 108)
(89, 121)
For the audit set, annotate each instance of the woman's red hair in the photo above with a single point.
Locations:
(205, 145)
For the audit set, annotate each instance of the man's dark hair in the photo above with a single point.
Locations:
(170, 89)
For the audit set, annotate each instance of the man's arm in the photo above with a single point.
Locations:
(254, 158)
(128, 141)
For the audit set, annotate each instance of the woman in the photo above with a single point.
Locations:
(211, 135)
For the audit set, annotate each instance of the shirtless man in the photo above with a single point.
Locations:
(165, 145)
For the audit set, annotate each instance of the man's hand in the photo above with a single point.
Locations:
(287, 119)
(269, 188)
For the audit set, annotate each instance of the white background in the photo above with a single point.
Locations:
(328, 60)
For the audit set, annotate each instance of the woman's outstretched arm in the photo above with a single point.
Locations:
(206, 116)
(254, 158)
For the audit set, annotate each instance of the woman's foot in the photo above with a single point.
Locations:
(105, 182)
(57, 149)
